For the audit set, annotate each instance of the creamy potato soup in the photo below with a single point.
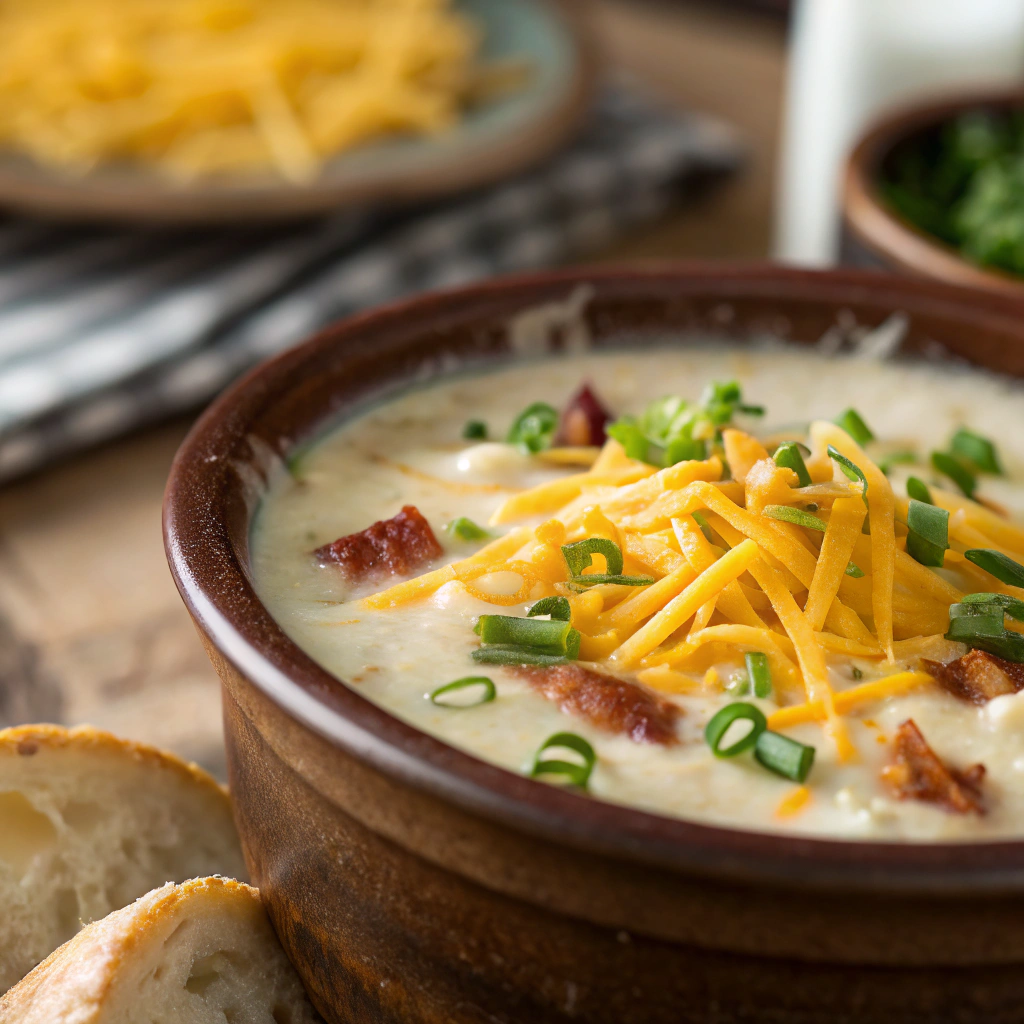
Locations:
(769, 590)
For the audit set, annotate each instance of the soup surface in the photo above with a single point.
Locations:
(713, 540)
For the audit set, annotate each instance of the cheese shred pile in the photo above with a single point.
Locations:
(198, 87)
(732, 574)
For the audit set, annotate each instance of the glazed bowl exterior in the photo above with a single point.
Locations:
(875, 235)
(411, 882)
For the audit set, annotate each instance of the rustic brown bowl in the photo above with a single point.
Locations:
(412, 882)
(875, 235)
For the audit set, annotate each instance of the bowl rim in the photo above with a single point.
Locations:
(891, 237)
(223, 604)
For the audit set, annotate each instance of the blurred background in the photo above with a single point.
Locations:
(190, 186)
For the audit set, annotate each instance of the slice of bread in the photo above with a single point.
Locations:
(89, 823)
(198, 953)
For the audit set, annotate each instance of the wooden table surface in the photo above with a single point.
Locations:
(91, 627)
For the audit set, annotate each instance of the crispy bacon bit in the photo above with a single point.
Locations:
(978, 676)
(583, 420)
(394, 546)
(918, 774)
(610, 703)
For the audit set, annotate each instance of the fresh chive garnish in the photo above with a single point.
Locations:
(739, 684)
(977, 450)
(1005, 569)
(854, 570)
(853, 423)
(956, 471)
(797, 516)
(928, 539)
(475, 430)
(548, 636)
(534, 428)
(509, 654)
(579, 556)
(557, 607)
(469, 682)
(465, 529)
(698, 518)
(886, 462)
(575, 773)
(856, 673)
(789, 456)
(984, 629)
(715, 730)
(1012, 606)
(850, 470)
(918, 490)
(595, 579)
(785, 757)
(760, 673)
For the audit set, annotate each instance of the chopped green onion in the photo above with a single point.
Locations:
(918, 490)
(853, 423)
(928, 539)
(575, 773)
(579, 556)
(715, 730)
(557, 607)
(850, 470)
(739, 684)
(510, 654)
(968, 608)
(797, 516)
(785, 757)
(856, 673)
(1012, 606)
(1006, 570)
(534, 428)
(489, 692)
(475, 430)
(698, 518)
(760, 674)
(788, 456)
(466, 529)
(683, 449)
(595, 579)
(987, 632)
(545, 635)
(886, 462)
(854, 570)
(956, 471)
(978, 450)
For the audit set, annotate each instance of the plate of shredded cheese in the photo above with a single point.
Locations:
(226, 110)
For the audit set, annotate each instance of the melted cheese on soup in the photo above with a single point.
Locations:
(398, 648)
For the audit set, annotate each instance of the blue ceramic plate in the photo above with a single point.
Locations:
(493, 141)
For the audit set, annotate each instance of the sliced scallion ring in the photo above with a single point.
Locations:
(509, 654)
(466, 529)
(579, 556)
(928, 539)
(956, 471)
(850, 470)
(594, 579)
(788, 456)
(1011, 605)
(575, 773)
(977, 450)
(699, 519)
(715, 730)
(785, 757)
(1005, 569)
(488, 693)
(556, 607)
(475, 430)
(548, 636)
(853, 423)
(854, 570)
(987, 632)
(534, 428)
(760, 673)
(797, 516)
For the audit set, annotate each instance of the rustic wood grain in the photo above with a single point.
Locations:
(91, 627)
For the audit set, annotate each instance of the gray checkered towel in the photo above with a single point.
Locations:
(102, 331)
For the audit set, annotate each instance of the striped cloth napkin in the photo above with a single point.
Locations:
(102, 331)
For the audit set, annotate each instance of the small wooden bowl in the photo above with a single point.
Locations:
(412, 883)
(875, 235)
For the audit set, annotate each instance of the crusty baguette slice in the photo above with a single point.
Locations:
(89, 823)
(198, 953)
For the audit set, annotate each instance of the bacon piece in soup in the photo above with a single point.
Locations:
(978, 676)
(396, 547)
(917, 774)
(583, 420)
(616, 705)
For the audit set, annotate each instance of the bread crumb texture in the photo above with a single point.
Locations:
(89, 823)
(202, 952)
